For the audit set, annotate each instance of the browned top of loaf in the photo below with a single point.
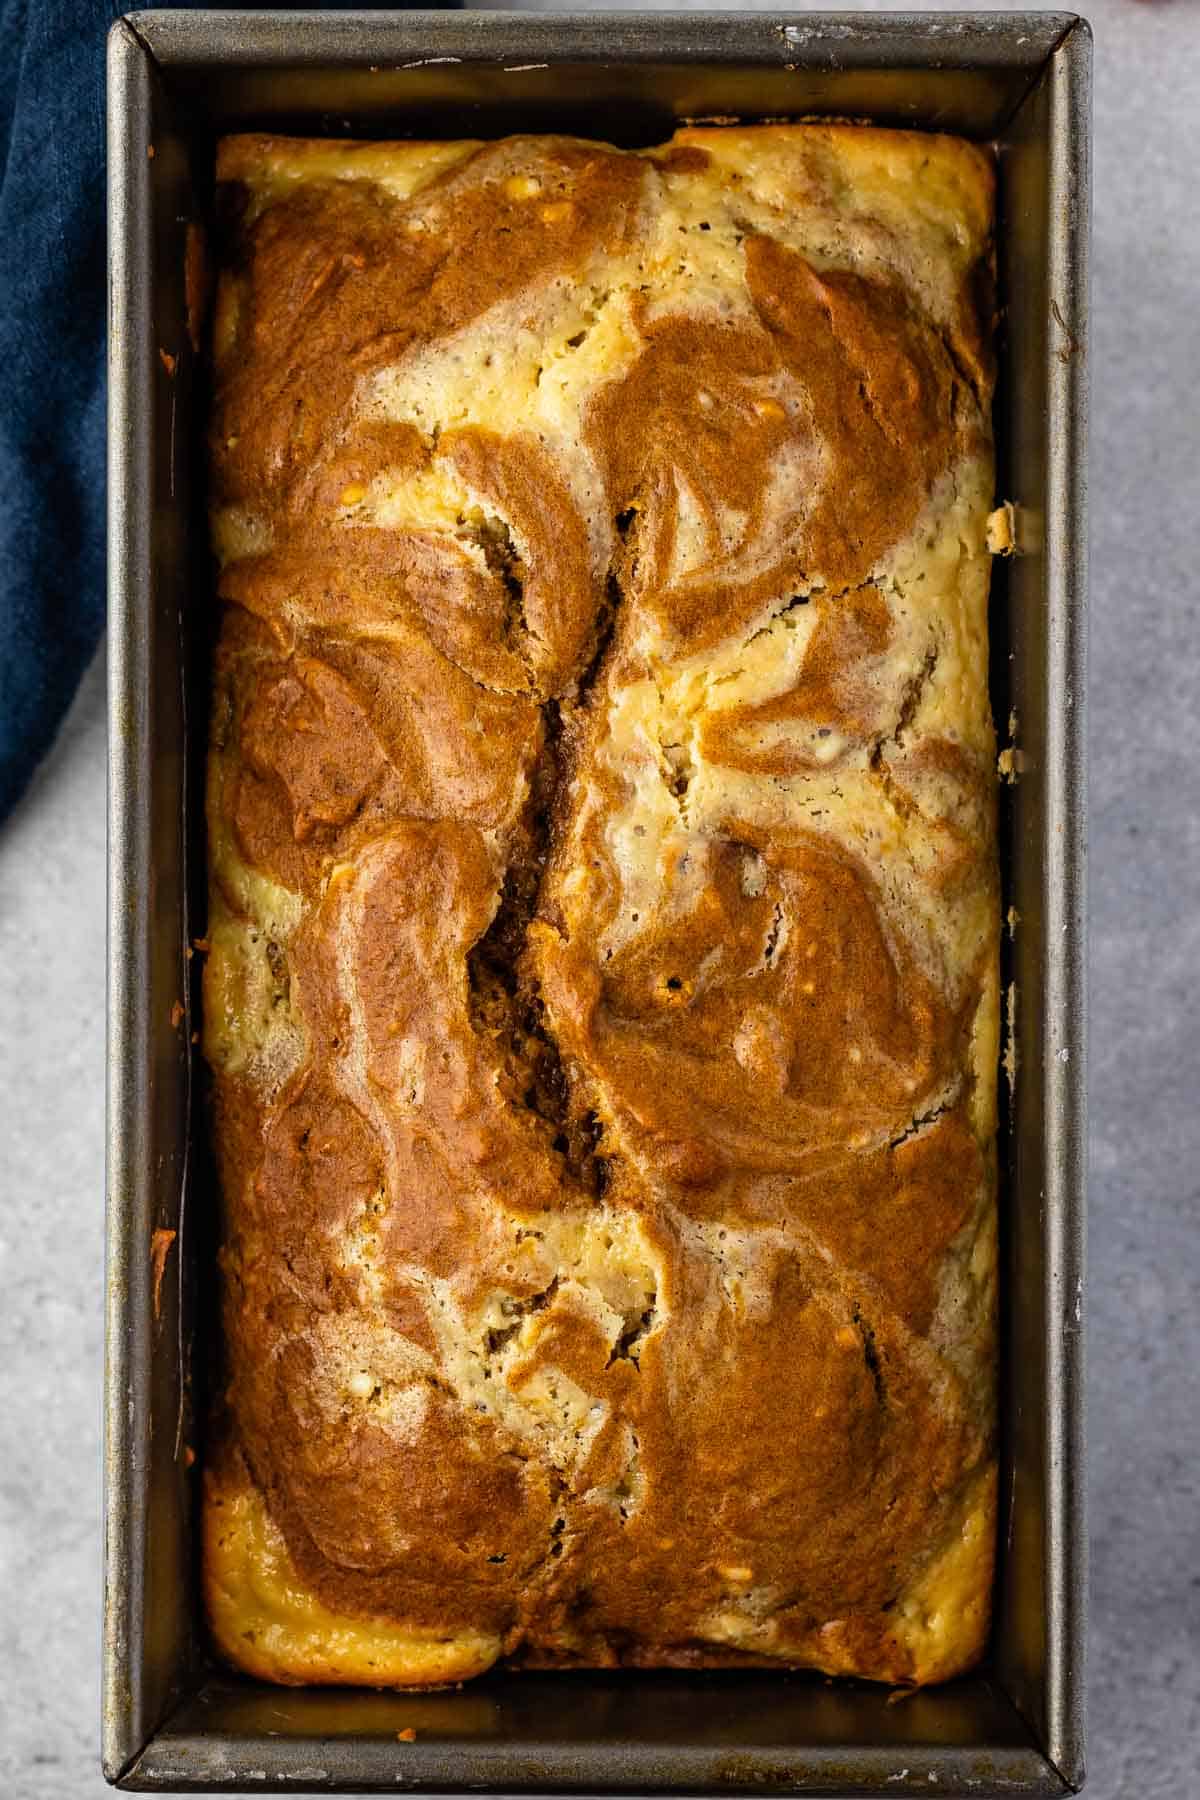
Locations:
(601, 1000)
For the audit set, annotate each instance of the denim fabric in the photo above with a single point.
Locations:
(51, 367)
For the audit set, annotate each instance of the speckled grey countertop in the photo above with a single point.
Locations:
(1144, 1282)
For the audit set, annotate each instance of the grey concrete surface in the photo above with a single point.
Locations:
(1144, 1286)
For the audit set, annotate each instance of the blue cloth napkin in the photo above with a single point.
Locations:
(52, 302)
(51, 367)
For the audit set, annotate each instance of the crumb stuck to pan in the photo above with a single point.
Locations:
(160, 1246)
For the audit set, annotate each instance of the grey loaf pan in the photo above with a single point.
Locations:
(172, 1719)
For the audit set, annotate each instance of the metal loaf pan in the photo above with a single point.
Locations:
(172, 1718)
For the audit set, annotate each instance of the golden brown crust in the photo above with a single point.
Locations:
(602, 994)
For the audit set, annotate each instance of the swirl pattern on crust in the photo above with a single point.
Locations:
(601, 985)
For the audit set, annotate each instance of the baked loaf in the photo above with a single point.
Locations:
(602, 994)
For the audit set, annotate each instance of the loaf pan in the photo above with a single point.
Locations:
(172, 1718)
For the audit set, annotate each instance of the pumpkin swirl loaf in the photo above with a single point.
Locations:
(602, 987)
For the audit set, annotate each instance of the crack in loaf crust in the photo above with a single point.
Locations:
(602, 987)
